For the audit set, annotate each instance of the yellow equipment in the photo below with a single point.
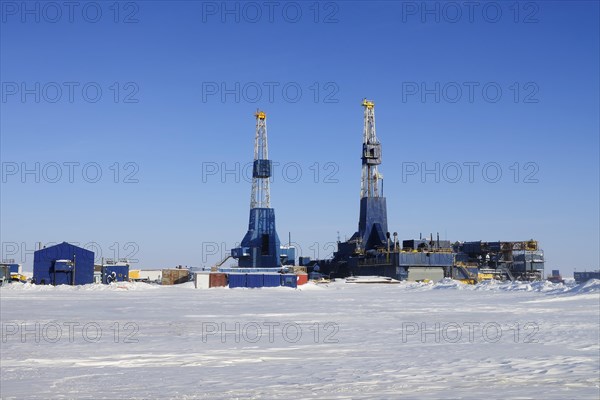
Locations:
(16, 277)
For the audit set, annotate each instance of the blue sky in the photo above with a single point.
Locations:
(178, 84)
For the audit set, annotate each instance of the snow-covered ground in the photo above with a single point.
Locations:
(341, 341)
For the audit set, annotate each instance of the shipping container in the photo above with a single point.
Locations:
(175, 276)
(134, 274)
(302, 279)
(272, 280)
(201, 280)
(115, 273)
(150, 275)
(289, 280)
(217, 279)
(237, 280)
(255, 280)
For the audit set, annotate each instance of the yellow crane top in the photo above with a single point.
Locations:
(368, 103)
(260, 114)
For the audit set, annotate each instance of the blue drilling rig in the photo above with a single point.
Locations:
(373, 251)
(260, 247)
(372, 222)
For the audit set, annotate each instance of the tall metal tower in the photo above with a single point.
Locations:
(260, 247)
(261, 194)
(371, 156)
(372, 224)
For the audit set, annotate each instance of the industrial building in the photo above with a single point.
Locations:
(63, 264)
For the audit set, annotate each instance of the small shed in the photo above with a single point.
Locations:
(115, 273)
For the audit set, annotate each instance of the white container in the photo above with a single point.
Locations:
(201, 280)
(150, 275)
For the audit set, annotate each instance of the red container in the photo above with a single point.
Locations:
(217, 279)
(302, 279)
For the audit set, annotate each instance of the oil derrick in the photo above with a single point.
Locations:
(260, 246)
(372, 224)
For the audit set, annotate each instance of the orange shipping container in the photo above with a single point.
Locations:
(302, 279)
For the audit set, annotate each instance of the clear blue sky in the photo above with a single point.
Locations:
(169, 62)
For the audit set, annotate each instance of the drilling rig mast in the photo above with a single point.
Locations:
(260, 247)
(372, 223)
(371, 156)
(261, 172)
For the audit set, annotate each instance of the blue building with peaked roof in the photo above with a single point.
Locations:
(63, 264)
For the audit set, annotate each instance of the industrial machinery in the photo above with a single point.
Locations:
(373, 251)
(372, 222)
(509, 260)
(370, 250)
(260, 247)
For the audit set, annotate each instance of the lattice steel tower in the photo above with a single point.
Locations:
(261, 173)
(260, 247)
(371, 156)
(372, 223)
